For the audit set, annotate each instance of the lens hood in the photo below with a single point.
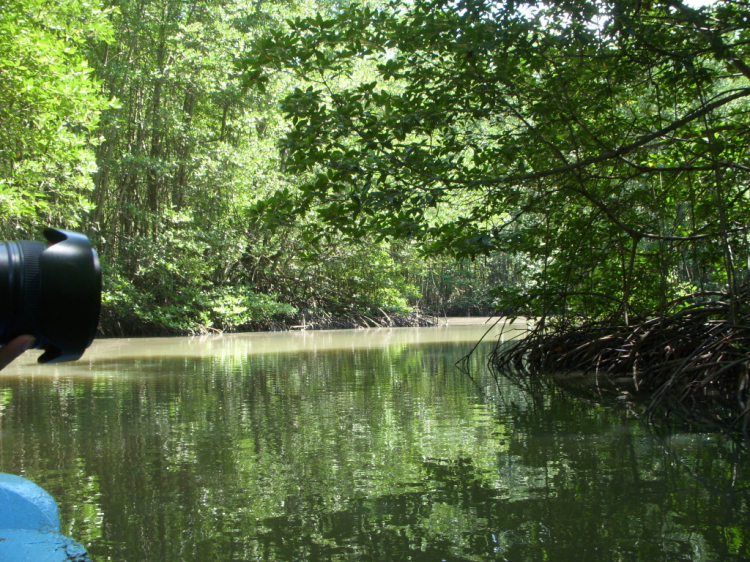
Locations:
(70, 295)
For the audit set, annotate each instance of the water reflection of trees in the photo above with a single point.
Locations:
(363, 455)
(459, 517)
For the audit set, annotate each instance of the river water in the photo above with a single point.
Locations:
(364, 445)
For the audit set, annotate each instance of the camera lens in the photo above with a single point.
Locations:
(51, 291)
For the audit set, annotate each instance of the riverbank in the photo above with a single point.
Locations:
(114, 325)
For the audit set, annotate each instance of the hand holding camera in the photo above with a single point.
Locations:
(14, 348)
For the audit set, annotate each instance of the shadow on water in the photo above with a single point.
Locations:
(365, 452)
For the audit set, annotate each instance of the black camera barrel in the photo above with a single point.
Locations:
(51, 291)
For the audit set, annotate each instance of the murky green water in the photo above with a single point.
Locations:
(355, 445)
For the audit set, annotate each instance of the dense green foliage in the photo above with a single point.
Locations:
(129, 120)
(49, 109)
(243, 165)
(603, 145)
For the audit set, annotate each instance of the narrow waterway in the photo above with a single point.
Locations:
(364, 445)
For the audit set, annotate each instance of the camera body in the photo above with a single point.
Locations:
(51, 291)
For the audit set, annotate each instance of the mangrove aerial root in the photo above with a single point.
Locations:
(693, 362)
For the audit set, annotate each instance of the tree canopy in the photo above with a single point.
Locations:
(605, 142)
(49, 109)
(236, 163)
(128, 120)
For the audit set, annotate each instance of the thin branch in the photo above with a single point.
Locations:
(617, 152)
